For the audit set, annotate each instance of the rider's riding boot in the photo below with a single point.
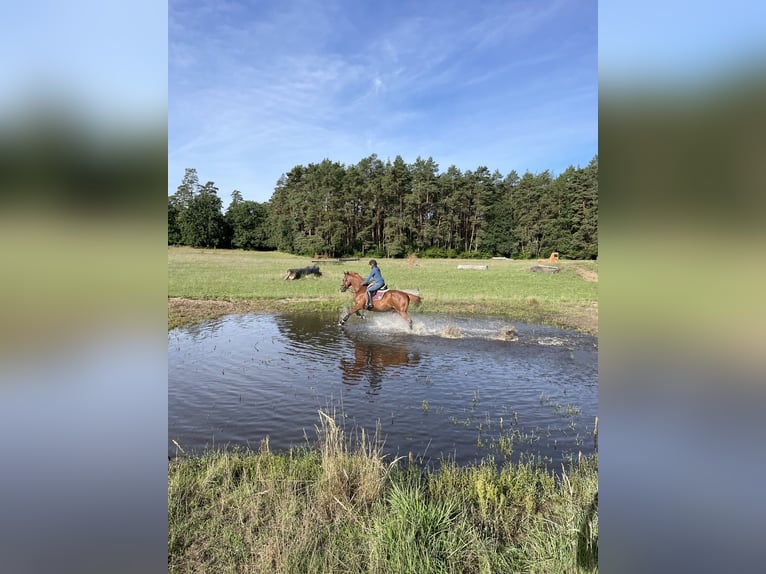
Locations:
(369, 301)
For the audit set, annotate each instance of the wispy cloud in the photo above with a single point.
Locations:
(254, 92)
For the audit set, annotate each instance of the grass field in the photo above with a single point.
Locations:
(206, 283)
(343, 508)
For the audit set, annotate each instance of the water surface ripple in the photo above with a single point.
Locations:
(457, 387)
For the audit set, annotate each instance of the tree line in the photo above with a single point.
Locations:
(392, 209)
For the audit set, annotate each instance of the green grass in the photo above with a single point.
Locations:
(346, 508)
(506, 288)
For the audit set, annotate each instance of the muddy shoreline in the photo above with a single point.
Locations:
(183, 311)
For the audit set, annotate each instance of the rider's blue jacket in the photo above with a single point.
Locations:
(375, 279)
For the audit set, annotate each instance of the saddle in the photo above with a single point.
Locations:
(379, 293)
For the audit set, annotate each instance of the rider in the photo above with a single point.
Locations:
(375, 282)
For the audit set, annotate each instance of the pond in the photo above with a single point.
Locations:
(458, 388)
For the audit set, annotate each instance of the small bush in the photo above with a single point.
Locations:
(474, 255)
(435, 253)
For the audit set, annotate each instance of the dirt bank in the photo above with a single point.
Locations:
(578, 316)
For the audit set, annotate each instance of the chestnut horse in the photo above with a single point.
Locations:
(392, 299)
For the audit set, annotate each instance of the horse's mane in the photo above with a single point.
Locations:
(354, 273)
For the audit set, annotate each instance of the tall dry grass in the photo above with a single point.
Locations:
(341, 506)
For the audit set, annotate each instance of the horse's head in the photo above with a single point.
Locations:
(350, 279)
(345, 284)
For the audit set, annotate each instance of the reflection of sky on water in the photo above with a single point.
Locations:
(451, 387)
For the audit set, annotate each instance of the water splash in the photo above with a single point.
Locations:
(451, 332)
(445, 327)
(551, 341)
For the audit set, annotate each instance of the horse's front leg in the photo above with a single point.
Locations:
(355, 309)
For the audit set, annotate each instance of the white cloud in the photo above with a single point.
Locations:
(252, 94)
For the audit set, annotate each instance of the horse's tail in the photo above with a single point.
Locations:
(414, 298)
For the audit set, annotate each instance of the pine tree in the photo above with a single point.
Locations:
(202, 223)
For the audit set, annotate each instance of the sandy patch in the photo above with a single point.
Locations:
(586, 274)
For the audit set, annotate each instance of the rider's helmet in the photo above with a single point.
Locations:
(373, 262)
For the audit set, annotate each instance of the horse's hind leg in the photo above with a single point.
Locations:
(406, 317)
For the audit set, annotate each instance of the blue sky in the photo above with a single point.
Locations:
(678, 43)
(256, 88)
(102, 60)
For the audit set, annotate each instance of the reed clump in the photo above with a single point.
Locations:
(340, 505)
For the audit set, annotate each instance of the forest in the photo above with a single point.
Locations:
(393, 209)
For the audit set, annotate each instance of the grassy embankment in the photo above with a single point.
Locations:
(342, 508)
(203, 284)
(347, 509)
